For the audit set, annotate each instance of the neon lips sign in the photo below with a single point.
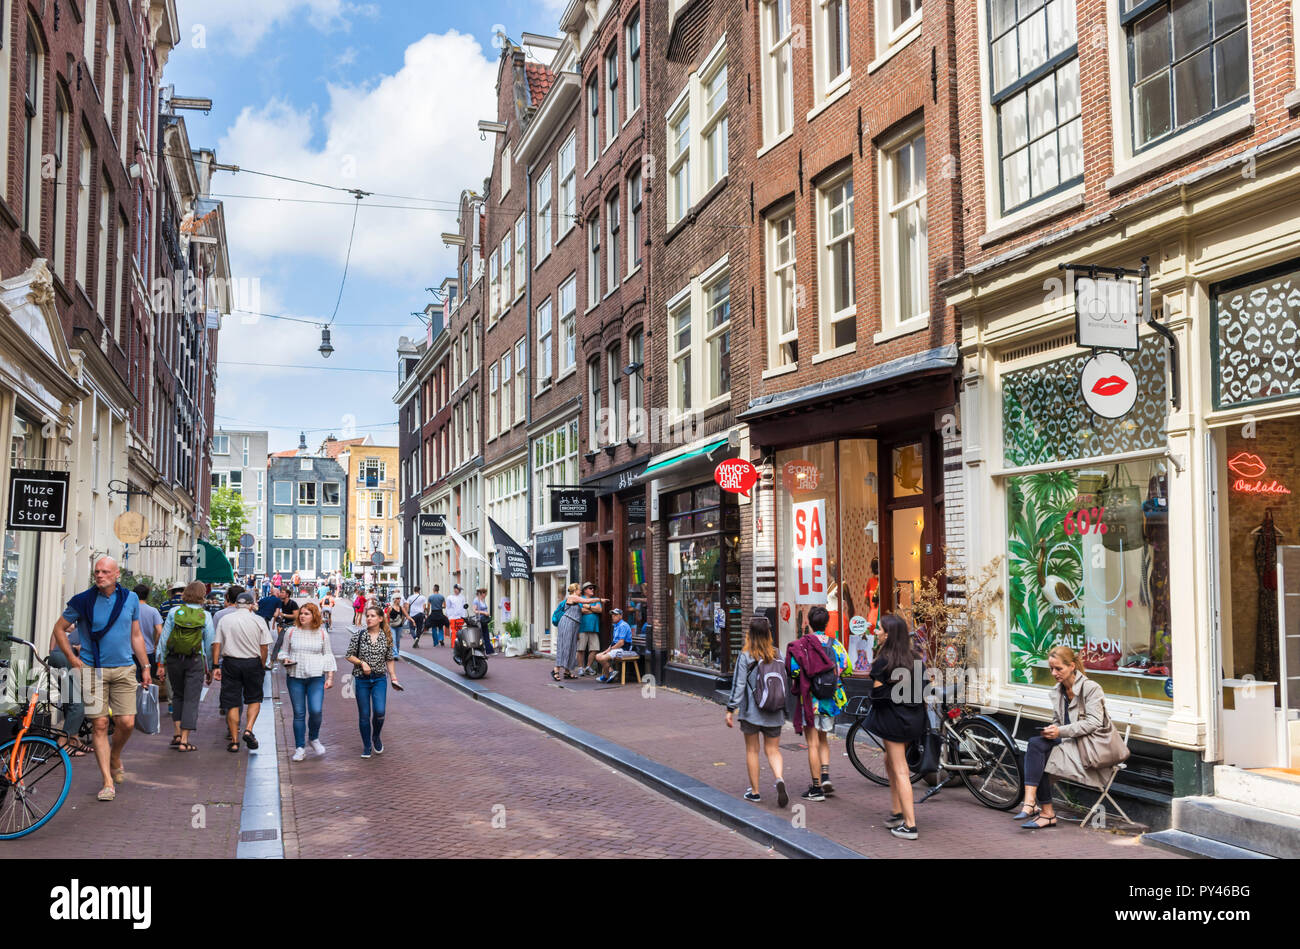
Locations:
(1250, 471)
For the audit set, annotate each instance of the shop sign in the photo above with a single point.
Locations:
(858, 625)
(38, 500)
(1249, 470)
(635, 510)
(785, 612)
(810, 551)
(573, 504)
(800, 476)
(550, 549)
(1109, 385)
(736, 475)
(1106, 313)
(131, 527)
(432, 525)
(187, 560)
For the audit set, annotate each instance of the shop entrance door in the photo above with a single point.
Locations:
(1288, 608)
(904, 539)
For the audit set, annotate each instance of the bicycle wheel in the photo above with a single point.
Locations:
(33, 799)
(997, 782)
(867, 752)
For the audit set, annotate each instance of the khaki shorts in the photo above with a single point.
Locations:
(105, 690)
(589, 642)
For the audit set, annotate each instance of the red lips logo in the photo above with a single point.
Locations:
(1247, 465)
(1109, 385)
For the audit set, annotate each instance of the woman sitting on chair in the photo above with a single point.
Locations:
(1078, 720)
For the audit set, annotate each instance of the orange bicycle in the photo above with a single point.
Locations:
(35, 772)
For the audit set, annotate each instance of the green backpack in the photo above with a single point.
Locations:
(187, 630)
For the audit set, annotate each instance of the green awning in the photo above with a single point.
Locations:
(657, 468)
(213, 565)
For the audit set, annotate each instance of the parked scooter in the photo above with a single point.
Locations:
(469, 652)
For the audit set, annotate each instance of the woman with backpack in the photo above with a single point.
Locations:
(398, 620)
(816, 663)
(309, 669)
(897, 716)
(758, 693)
(184, 653)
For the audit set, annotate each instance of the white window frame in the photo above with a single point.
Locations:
(304, 464)
(521, 252)
(778, 356)
(613, 375)
(83, 207)
(892, 36)
(636, 418)
(567, 161)
(827, 244)
(778, 109)
(521, 379)
(338, 494)
(593, 260)
(507, 392)
(613, 221)
(593, 403)
(890, 285)
(567, 356)
(325, 531)
(691, 342)
(282, 527)
(283, 559)
(544, 206)
(689, 177)
(375, 506)
(307, 559)
(494, 285)
(6, 64)
(545, 341)
(632, 43)
(505, 172)
(507, 276)
(110, 60)
(288, 491)
(33, 123)
(330, 558)
(494, 405)
(553, 464)
(221, 444)
(611, 93)
(307, 498)
(635, 221)
(307, 527)
(593, 117)
(827, 87)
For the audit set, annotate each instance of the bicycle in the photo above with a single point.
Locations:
(974, 748)
(34, 767)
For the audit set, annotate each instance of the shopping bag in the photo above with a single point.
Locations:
(146, 709)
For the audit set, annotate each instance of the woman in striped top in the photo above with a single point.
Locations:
(309, 667)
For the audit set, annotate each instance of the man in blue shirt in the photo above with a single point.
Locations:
(108, 622)
(620, 644)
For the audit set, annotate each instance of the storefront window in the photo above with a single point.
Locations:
(20, 549)
(704, 577)
(1088, 568)
(1256, 338)
(635, 606)
(1260, 485)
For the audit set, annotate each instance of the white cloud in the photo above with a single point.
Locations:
(247, 21)
(410, 134)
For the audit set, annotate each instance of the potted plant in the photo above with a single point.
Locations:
(514, 633)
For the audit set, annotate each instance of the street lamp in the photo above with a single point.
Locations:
(326, 349)
(376, 533)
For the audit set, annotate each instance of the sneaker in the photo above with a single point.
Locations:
(903, 832)
(365, 754)
(782, 798)
(317, 747)
(814, 793)
(379, 747)
(299, 754)
(894, 820)
(827, 789)
(752, 795)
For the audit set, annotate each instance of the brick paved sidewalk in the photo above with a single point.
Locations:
(154, 814)
(450, 767)
(688, 733)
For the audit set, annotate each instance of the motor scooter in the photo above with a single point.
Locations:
(469, 652)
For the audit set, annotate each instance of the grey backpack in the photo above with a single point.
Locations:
(770, 688)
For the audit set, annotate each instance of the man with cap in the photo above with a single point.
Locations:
(456, 607)
(239, 658)
(620, 645)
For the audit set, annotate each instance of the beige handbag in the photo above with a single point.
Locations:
(1103, 748)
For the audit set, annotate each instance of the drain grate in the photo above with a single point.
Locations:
(268, 834)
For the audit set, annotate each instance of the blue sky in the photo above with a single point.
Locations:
(382, 96)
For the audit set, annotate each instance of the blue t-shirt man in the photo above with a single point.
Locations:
(590, 623)
(115, 645)
(267, 606)
(150, 620)
(622, 631)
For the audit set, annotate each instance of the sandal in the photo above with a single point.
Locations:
(250, 739)
(185, 747)
(233, 747)
(555, 675)
(1027, 812)
(106, 794)
(176, 740)
(1035, 825)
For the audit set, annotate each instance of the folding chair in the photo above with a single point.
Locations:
(1105, 791)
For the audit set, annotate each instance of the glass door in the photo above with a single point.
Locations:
(20, 549)
(906, 499)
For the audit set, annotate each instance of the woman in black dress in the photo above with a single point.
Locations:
(897, 716)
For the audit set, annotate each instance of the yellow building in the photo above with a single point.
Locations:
(372, 502)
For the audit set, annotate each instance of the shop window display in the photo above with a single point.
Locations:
(704, 578)
(20, 548)
(1088, 567)
(1260, 485)
(829, 532)
(1256, 338)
